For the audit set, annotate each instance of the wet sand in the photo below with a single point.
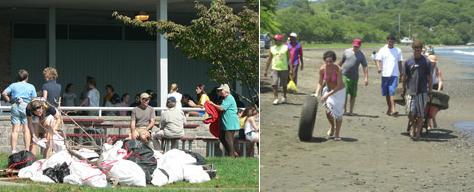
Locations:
(376, 154)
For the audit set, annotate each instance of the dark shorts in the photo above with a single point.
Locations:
(389, 85)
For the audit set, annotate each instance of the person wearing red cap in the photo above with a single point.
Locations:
(352, 58)
(279, 56)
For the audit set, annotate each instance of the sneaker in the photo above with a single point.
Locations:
(283, 100)
(14, 151)
(275, 102)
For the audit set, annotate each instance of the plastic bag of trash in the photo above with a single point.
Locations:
(21, 159)
(113, 152)
(84, 174)
(195, 174)
(32, 170)
(127, 172)
(142, 155)
(88, 153)
(57, 158)
(58, 172)
(292, 86)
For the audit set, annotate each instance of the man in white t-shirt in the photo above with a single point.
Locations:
(389, 63)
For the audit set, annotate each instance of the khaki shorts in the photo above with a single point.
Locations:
(280, 75)
(141, 130)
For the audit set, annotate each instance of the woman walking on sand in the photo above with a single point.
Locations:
(333, 93)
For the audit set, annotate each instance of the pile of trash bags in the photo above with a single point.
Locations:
(126, 163)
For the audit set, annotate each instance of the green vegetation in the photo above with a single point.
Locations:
(340, 45)
(447, 22)
(267, 13)
(228, 40)
(239, 174)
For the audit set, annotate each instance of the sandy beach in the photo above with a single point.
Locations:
(376, 154)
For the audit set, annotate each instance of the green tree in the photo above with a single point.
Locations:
(268, 24)
(228, 41)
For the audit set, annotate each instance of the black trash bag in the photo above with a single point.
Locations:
(142, 155)
(200, 160)
(21, 159)
(58, 172)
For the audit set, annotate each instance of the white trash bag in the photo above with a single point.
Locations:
(195, 174)
(84, 174)
(127, 172)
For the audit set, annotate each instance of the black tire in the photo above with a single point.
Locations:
(308, 118)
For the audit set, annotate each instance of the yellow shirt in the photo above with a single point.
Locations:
(279, 57)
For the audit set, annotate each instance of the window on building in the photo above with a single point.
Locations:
(29, 31)
(95, 32)
(138, 34)
(61, 31)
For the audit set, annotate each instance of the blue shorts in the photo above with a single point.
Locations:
(18, 113)
(389, 85)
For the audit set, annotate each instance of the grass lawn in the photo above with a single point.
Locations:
(239, 174)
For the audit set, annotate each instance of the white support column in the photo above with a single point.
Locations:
(162, 51)
(52, 37)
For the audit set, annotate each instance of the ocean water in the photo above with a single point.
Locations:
(462, 55)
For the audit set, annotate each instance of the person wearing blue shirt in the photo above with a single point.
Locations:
(19, 94)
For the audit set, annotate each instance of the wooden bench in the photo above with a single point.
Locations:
(244, 143)
(210, 144)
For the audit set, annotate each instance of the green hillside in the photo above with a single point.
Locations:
(449, 22)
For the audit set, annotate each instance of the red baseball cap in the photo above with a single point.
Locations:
(357, 42)
(278, 37)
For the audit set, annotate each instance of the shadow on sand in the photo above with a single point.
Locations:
(322, 139)
(361, 115)
(316, 140)
(435, 135)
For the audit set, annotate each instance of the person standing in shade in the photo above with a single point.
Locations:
(296, 56)
(69, 97)
(51, 89)
(279, 57)
(389, 63)
(229, 119)
(19, 94)
(352, 58)
(417, 86)
(92, 98)
(174, 93)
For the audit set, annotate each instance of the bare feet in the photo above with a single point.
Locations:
(330, 132)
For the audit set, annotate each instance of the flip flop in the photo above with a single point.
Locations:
(330, 133)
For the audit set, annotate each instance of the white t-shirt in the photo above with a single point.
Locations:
(389, 59)
(94, 97)
(178, 97)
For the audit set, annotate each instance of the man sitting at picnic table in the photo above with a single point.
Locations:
(143, 120)
(171, 124)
